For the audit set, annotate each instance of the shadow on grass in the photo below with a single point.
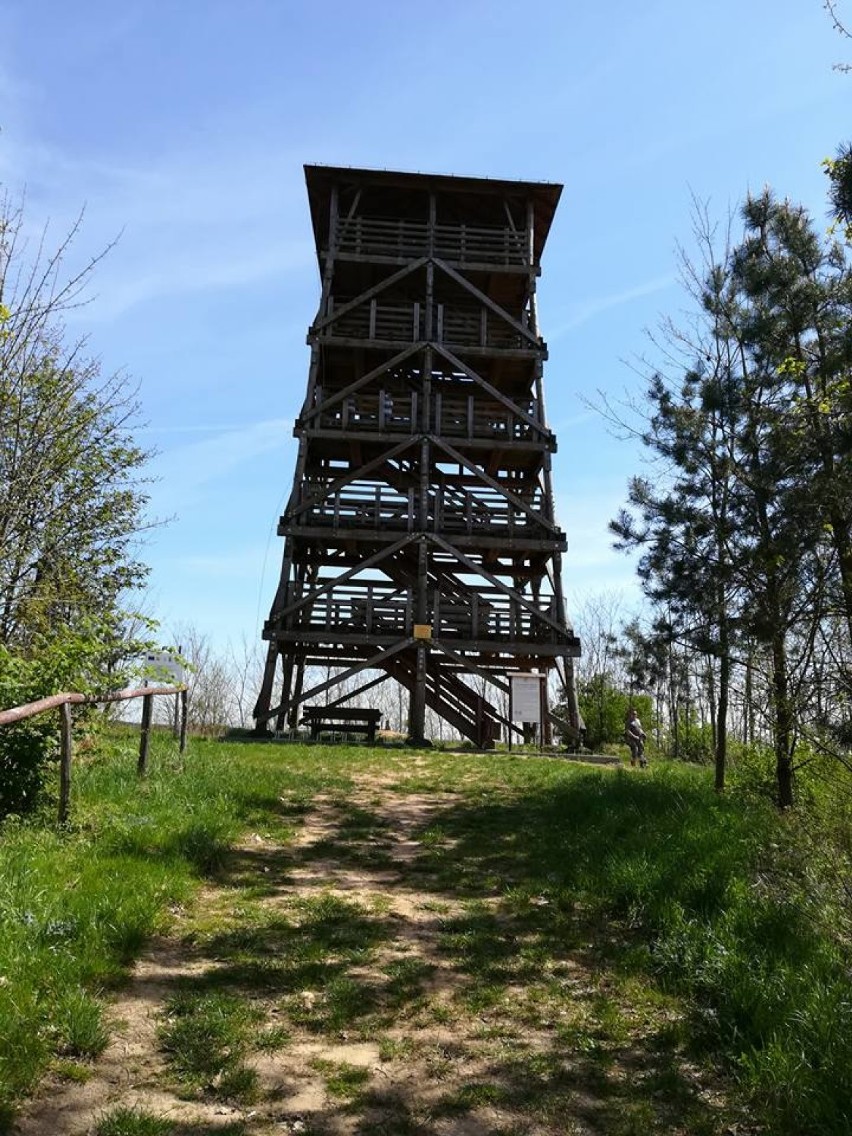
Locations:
(617, 874)
(577, 869)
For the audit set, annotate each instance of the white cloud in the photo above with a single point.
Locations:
(213, 218)
(591, 563)
(185, 471)
(586, 311)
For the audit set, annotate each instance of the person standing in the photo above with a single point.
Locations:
(635, 736)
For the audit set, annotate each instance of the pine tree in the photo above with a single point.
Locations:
(750, 533)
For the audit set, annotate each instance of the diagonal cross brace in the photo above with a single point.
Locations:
(488, 302)
(368, 295)
(342, 482)
(370, 562)
(470, 666)
(452, 452)
(367, 664)
(479, 570)
(332, 400)
(454, 361)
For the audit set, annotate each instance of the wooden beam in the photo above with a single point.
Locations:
(487, 302)
(145, 734)
(467, 665)
(66, 750)
(358, 690)
(504, 588)
(370, 562)
(400, 357)
(413, 266)
(480, 473)
(509, 403)
(352, 475)
(367, 664)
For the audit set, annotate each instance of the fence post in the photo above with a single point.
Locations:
(147, 714)
(183, 718)
(66, 749)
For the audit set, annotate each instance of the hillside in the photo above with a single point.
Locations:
(351, 940)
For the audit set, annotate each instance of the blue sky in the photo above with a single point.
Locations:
(183, 126)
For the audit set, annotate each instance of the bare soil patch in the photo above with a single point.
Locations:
(408, 1011)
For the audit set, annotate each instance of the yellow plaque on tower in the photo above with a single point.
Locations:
(422, 631)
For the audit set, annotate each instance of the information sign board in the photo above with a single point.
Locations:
(526, 697)
(163, 667)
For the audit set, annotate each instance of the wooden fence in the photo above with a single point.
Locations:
(63, 702)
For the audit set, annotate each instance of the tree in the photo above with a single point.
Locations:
(72, 494)
(212, 684)
(749, 534)
(71, 503)
(682, 521)
(840, 26)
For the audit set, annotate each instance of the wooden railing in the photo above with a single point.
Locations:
(404, 239)
(372, 506)
(64, 701)
(383, 610)
(458, 414)
(458, 324)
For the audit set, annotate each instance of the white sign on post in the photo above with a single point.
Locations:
(526, 697)
(163, 667)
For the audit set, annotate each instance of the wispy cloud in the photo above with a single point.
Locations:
(584, 312)
(584, 513)
(212, 218)
(185, 472)
(237, 564)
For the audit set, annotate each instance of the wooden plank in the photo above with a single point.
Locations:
(368, 664)
(389, 282)
(19, 713)
(498, 584)
(66, 746)
(338, 713)
(455, 362)
(184, 715)
(347, 478)
(487, 302)
(478, 471)
(145, 734)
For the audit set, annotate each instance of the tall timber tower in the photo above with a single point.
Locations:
(419, 537)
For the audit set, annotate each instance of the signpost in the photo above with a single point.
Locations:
(526, 700)
(163, 667)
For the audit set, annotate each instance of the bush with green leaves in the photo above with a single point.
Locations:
(604, 708)
(24, 746)
(72, 662)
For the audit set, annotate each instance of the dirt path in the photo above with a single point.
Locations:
(399, 1038)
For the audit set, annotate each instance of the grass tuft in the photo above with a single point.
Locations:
(205, 1038)
(132, 1122)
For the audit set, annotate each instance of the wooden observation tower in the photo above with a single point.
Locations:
(420, 540)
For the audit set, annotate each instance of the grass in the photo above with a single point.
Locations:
(342, 1080)
(633, 924)
(132, 1122)
(205, 1038)
(77, 905)
(139, 1122)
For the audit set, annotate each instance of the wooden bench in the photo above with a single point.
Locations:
(342, 719)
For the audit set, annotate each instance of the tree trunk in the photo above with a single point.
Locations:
(783, 722)
(720, 732)
(748, 699)
(721, 747)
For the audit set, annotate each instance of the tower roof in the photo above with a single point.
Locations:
(408, 190)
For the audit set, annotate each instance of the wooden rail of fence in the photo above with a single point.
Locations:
(64, 701)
